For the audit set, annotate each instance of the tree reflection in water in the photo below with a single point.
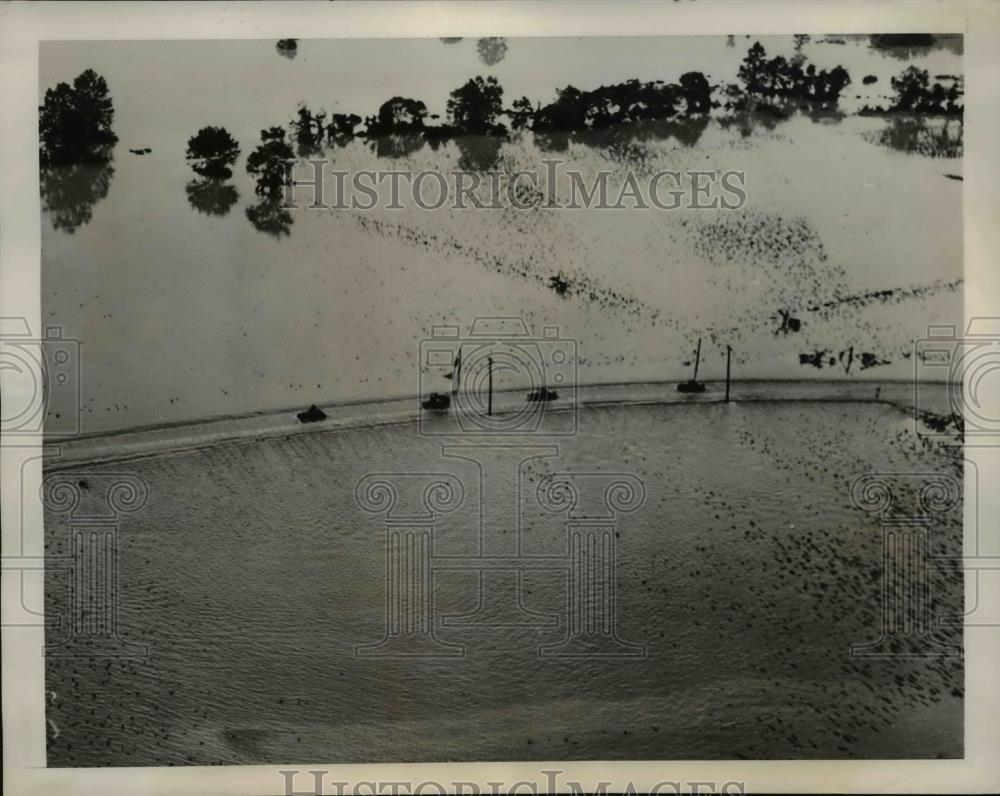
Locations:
(211, 197)
(70, 191)
(479, 152)
(935, 138)
(270, 217)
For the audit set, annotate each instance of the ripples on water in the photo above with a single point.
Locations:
(252, 574)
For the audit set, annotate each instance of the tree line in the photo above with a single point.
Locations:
(75, 120)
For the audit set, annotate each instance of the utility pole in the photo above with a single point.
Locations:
(729, 356)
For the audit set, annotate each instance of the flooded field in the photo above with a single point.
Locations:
(255, 581)
(193, 301)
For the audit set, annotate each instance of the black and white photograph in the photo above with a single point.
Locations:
(407, 399)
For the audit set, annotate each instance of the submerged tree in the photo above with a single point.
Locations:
(212, 151)
(475, 106)
(340, 130)
(492, 50)
(697, 92)
(309, 128)
(288, 48)
(915, 94)
(779, 77)
(74, 122)
(521, 114)
(271, 161)
(398, 115)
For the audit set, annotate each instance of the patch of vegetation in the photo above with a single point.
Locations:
(212, 151)
(74, 122)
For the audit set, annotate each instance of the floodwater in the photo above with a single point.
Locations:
(194, 302)
(252, 575)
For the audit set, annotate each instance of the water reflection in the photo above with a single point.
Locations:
(212, 197)
(625, 143)
(478, 152)
(935, 138)
(270, 217)
(396, 145)
(69, 192)
(907, 46)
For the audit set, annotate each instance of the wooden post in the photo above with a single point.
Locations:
(729, 356)
(697, 361)
(489, 365)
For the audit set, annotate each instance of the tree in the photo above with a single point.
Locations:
(341, 127)
(74, 122)
(836, 81)
(910, 87)
(474, 107)
(309, 129)
(697, 92)
(212, 151)
(288, 48)
(492, 50)
(753, 69)
(400, 114)
(271, 161)
(521, 113)
(568, 112)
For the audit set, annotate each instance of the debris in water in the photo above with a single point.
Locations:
(437, 401)
(542, 395)
(815, 359)
(312, 415)
(871, 360)
(789, 323)
(558, 284)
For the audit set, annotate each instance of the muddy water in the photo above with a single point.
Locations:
(252, 574)
(184, 310)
